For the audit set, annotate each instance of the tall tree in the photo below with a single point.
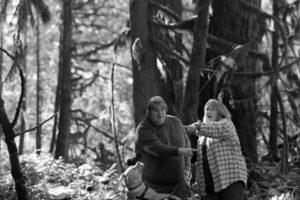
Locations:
(233, 21)
(62, 143)
(170, 79)
(24, 9)
(56, 108)
(273, 149)
(38, 90)
(8, 126)
(23, 121)
(197, 63)
(1, 63)
(144, 68)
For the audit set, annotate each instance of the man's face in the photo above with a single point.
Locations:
(158, 114)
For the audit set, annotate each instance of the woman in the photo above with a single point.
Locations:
(221, 167)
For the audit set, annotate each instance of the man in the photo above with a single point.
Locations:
(164, 148)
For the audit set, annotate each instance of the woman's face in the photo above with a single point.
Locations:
(158, 114)
(211, 114)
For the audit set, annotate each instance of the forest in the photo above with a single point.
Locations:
(76, 77)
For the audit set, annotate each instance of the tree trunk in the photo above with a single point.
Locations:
(1, 70)
(284, 168)
(171, 86)
(38, 90)
(62, 143)
(273, 150)
(56, 107)
(191, 98)
(237, 24)
(144, 73)
(23, 121)
(13, 153)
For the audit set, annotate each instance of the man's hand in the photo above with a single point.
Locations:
(186, 151)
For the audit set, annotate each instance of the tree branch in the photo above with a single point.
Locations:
(96, 49)
(259, 74)
(22, 94)
(107, 62)
(7, 53)
(112, 101)
(32, 129)
(165, 9)
(165, 47)
(276, 22)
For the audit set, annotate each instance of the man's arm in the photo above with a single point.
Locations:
(149, 142)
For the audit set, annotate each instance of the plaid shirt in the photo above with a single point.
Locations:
(225, 159)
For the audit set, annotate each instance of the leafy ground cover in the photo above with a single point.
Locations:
(47, 178)
(50, 179)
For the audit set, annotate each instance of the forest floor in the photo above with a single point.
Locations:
(50, 179)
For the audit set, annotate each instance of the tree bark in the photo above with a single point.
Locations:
(13, 153)
(1, 70)
(38, 90)
(237, 24)
(144, 73)
(62, 143)
(56, 107)
(191, 98)
(273, 151)
(23, 121)
(171, 86)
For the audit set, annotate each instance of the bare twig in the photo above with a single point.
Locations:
(277, 24)
(172, 52)
(22, 95)
(7, 53)
(107, 62)
(165, 9)
(17, 62)
(32, 129)
(112, 106)
(258, 74)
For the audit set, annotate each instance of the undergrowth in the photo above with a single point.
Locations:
(48, 179)
(53, 179)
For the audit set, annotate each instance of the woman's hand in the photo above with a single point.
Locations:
(190, 128)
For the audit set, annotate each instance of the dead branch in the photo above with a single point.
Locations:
(7, 53)
(34, 128)
(284, 163)
(17, 63)
(96, 49)
(107, 62)
(83, 114)
(277, 23)
(165, 9)
(259, 74)
(22, 95)
(166, 48)
(112, 106)
(224, 47)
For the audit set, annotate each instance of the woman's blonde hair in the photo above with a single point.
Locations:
(219, 106)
